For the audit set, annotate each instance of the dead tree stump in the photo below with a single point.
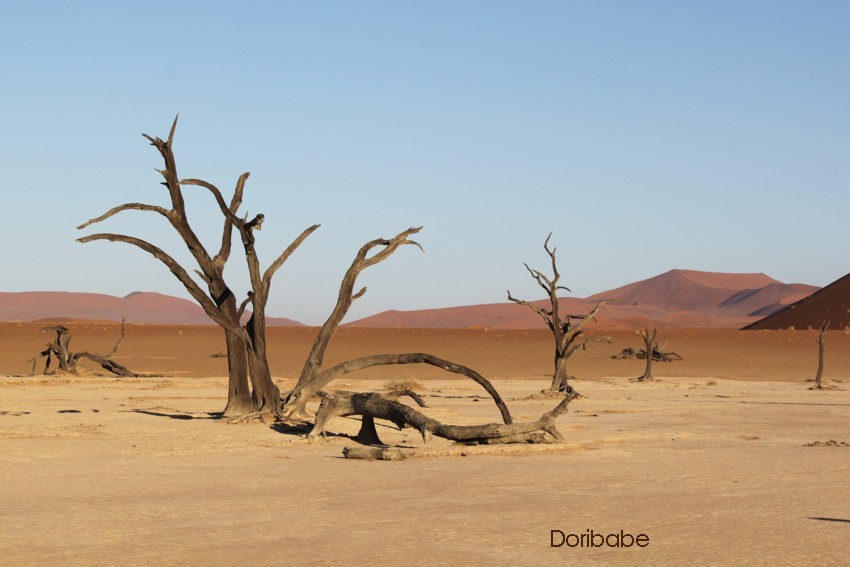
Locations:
(67, 360)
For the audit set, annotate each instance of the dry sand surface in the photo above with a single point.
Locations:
(712, 462)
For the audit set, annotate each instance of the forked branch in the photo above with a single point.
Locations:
(308, 383)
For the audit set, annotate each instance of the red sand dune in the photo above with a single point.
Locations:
(686, 290)
(831, 303)
(137, 307)
(678, 298)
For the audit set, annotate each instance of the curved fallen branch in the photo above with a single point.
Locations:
(309, 382)
(375, 406)
(298, 399)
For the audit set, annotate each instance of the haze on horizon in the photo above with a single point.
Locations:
(647, 135)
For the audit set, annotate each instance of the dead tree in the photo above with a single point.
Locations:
(818, 377)
(376, 406)
(650, 346)
(569, 336)
(245, 345)
(67, 361)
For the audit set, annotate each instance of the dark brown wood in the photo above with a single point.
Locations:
(569, 335)
(310, 380)
(324, 378)
(67, 360)
(251, 390)
(218, 302)
(650, 346)
(819, 375)
(378, 407)
(265, 393)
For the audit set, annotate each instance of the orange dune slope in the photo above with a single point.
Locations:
(137, 307)
(678, 298)
(831, 303)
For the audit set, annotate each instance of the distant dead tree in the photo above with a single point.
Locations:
(569, 336)
(818, 377)
(246, 347)
(658, 353)
(650, 346)
(67, 361)
(650, 353)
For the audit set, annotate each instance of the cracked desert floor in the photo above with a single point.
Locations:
(727, 459)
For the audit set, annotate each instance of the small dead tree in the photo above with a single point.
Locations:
(67, 361)
(569, 335)
(650, 353)
(821, 336)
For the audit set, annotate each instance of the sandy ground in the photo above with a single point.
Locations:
(96, 470)
(187, 351)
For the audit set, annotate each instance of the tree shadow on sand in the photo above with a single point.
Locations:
(182, 416)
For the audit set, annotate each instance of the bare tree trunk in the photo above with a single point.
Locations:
(650, 345)
(266, 394)
(62, 350)
(560, 377)
(239, 398)
(818, 377)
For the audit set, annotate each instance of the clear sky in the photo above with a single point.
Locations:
(648, 135)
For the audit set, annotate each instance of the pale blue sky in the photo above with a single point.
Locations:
(648, 135)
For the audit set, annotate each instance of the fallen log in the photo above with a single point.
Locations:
(373, 406)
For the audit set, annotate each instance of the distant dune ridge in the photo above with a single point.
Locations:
(678, 298)
(831, 303)
(137, 307)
